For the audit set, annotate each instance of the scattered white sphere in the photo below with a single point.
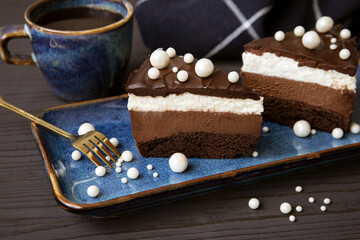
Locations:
(171, 52)
(182, 76)
(337, 133)
(265, 129)
(292, 218)
(188, 58)
(76, 155)
(233, 77)
(124, 180)
(311, 200)
(302, 128)
(311, 40)
(114, 142)
(132, 173)
(299, 31)
(127, 156)
(345, 33)
(254, 203)
(159, 59)
(333, 40)
(327, 200)
(333, 47)
(285, 208)
(120, 159)
(279, 36)
(204, 67)
(93, 191)
(299, 208)
(85, 128)
(155, 174)
(323, 208)
(255, 154)
(175, 69)
(178, 162)
(100, 171)
(153, 73)
(324, 24)
(118, 169)
(149, 167)
(118, 164)
(313, 131)
(108, 158)
(298, 189)
(355, 128)
(344, 54)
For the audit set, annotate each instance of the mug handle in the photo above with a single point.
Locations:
(8, 33)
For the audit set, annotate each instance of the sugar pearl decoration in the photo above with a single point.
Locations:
(182, 76)
(108, 158)
(204, 67)
(302, 128)
(93, 191)
(313, 131)
(175, 69)
(265, 129)
(299, 208)
(100, 171)
(153, 73)
(311, 200)
(159, 59)
(337, 133)
(155, 174)
(254, 203)
(118, 164)
(120, 159)
(188, 58)
(327, 200)
(233, 77)
(311, 40)
(132, 173)
(149, 166)
(127, 156)
(355, 128)
(118, 169)
(292, 218)
(124, 180)
(323, 208)
(255, 154)
(333, 47)
(298, 189)
(299, 31)
(345, 33)
(76, 155)
(279, 36)
(171, 52)
(344, 54)
(114, 142)
(324, 24)
(333, 40)
(178, 162)
(285, 208)
(85, 128)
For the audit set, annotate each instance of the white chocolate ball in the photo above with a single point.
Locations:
(233, 77)
(302, 128)
(118, 169)
(323, 208)
(178, 162)
(344, 54)
(182, 76)
(337, 133)
(149, 167)
(327, 200)
(175, 69)
(171, 52)
(127, 156)
(155, 174)
(255, 154)
(311, 200)
(76, 155)
(114, 142)
(132, 173)
(292, 218)
(153, 73)
(100, 171)
(188, 58)
(298, 208)
(159, 59)
(333, 47)
(345, 33)
(324, 24)
(93, 191)
(254, 203)
(265, 129)
(285, 208)
(85, 128)
(124, 180)
(355, 128)
(298, 188)
(299, 31)
(204, 68)
(279, 36)
(333, 40)
(311, 40)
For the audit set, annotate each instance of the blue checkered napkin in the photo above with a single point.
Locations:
(220, 28)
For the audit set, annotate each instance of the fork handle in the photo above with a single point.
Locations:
(36, 120)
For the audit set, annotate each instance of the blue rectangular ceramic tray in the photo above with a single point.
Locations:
(279, 151)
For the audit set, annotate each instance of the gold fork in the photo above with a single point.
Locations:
(89, 143)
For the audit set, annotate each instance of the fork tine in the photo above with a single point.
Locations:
(91, 156)
(100, 145)
(107, 143)
(93, 148)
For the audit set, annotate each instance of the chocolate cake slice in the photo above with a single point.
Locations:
(305, 76)
(180, 104)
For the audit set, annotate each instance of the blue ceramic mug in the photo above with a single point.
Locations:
(82, 47)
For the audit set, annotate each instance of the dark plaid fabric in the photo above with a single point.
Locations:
(220, 28)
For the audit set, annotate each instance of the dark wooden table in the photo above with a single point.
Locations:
(29, 211)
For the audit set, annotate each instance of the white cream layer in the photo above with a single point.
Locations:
(194, 102)
(271, 65)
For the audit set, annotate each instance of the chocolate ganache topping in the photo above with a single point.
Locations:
(217, 84)
(321, 57)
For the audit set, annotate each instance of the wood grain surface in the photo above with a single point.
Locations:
(29, 211)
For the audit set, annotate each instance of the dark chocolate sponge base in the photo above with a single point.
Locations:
(200, 144)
